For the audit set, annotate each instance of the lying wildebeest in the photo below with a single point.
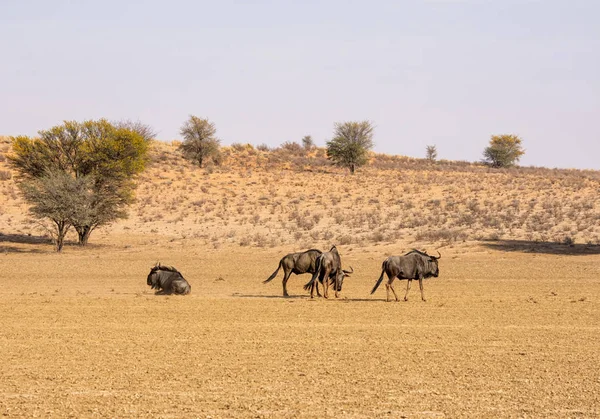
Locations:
(413, 265)
(168, 280)
(329, 271)
(297, 263)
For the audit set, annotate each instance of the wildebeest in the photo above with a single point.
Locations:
(296, 263)
(413, 265)
(168, 280)
(329, 271)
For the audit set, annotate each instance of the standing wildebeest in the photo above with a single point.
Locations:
(168, 280)
(413, 265)
(297, 263)
(329, 271)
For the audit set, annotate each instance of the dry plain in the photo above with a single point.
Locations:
(511, 327)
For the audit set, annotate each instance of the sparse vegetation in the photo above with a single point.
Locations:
(277, 198)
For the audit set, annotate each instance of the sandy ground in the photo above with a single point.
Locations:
(503, 334)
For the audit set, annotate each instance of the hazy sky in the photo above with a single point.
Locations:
(443, 72)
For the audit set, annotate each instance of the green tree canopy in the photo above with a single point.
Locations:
(351, 144)
(106, 156)
(504, 151)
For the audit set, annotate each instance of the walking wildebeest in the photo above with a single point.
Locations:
(329, 271)
(168, 280)
(297, 263)
(413, 265)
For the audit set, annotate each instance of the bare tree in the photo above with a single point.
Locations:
(200, 141)
(56, 197)
(146, 131)
(431, 153)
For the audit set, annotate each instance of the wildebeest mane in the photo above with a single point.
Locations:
(416, 251)
(165, 268)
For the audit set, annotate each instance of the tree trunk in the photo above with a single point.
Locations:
(61, 231)
(83, 233)
(352, 166)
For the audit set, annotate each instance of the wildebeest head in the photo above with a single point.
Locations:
(152, 280)
(341, 274)
(435, 270)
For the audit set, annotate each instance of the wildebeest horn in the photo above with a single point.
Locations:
(439, 257)
(348, 272)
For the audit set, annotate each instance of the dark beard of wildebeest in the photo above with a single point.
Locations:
(329, 271)
(296, 263)
(413, 265)
(168, 280)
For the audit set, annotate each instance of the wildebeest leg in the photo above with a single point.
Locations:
(388, 286)
(421, 287)
(408, 282)
(311, 285)
(286, 276)
(312, 290)
(393, 290)
(326, 283)
(317, 287)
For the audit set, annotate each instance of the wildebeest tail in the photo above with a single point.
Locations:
(380, 278)
(274, 274)
(308, 286)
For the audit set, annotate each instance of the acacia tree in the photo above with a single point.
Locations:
(351, 144)
(504, 151)
(200, 141)
(105, 156)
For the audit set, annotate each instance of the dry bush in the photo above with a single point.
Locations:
(291, 148)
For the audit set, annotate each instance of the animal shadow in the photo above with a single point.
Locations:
(526, 246)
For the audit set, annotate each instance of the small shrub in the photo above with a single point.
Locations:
(344, 239)
(5, 175)
(291, 147)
